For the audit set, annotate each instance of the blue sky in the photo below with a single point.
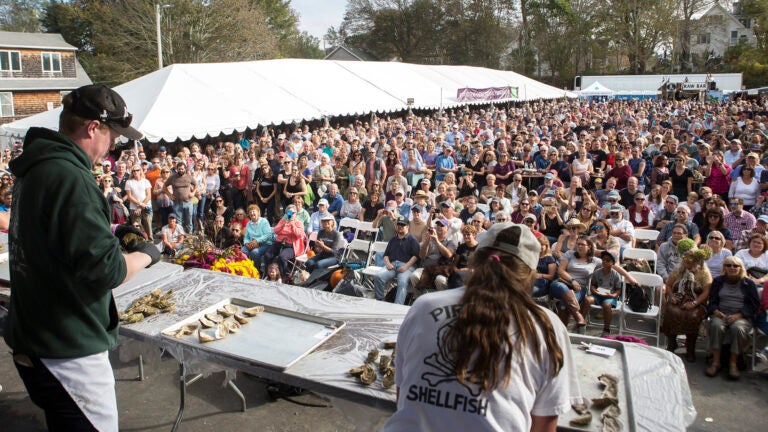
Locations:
(315, 16)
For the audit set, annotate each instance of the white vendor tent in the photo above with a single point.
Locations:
(186, 101)
(596, 89)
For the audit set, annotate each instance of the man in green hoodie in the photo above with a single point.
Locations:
(65, 259)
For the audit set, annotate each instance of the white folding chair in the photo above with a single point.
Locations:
(356, 249)
(643, 235)
(366, 231)
(370, 269)
(596, 308)
(301, 260)
(348, 223)
(646, 254)
(655, 283)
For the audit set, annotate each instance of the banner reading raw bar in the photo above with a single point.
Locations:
(486, 94)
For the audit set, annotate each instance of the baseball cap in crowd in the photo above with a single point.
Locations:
(162, 148)
(322, 201)
(399, 191)
(442, 222)
(106, 162)
(425, 181)
(417, 208)
(446, 204)
(172, 216)
(326, 217)
(736, 141)
(99, 102)
(526, 247)
(549, 176)
(530, 216)
(609, 254)
(753, 155)
(402, 220)
(613, 194)
(617, 208)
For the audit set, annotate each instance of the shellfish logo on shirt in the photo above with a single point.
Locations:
(439, 373)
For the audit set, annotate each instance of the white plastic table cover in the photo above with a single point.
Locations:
(658, 382)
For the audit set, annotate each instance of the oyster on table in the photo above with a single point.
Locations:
(253, 311)
(227, 310)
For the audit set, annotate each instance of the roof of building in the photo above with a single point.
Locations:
(357, 53)
(37, 84)
(52, 41)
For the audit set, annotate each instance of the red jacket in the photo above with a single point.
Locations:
(643, 216)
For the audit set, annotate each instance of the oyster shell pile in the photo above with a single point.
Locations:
(151, 304)
(366, 372)
(226, 320)
(608, 403)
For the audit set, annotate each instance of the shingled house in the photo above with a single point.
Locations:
(36, 70)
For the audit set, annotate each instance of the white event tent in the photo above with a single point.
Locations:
(596, 89)
(186, 101)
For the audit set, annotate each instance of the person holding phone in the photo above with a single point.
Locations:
(290, 239)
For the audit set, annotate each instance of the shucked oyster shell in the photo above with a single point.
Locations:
(204, 337)
(216, 318)
(241, 319)
(253, 311)
(227, 310)
(368, 376)
(388, 380)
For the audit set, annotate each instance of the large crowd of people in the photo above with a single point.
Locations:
(583, 176)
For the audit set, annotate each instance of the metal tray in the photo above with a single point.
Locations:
(589, 367)
(275, 338)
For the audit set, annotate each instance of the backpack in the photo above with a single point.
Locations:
(638, 299)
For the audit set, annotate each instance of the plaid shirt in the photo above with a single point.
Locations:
(740, 227)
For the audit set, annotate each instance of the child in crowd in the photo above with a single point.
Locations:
(605, 289)
(273, 273)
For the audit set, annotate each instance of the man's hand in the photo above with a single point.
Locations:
(132, 240)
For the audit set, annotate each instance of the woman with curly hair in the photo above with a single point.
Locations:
(686, 293)
(488, 345)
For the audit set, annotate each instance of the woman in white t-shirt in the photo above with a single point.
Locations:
(455, 371)
(755, 256)
(138, 192)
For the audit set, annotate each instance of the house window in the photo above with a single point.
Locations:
(51, 62)
(10, 61)
(6, 104)
(703, 38)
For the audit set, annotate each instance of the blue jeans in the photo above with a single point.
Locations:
(184, 212)
(316, 262)
(540, 288)
(557, 289)
(256, 255)
(200, 209)
(381, 279)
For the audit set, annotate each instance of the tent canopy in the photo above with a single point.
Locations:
(192, 101)
(596, 89)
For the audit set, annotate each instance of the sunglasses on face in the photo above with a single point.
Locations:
(715, 238)
(731, 265)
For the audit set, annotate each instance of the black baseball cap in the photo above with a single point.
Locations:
(99, 102)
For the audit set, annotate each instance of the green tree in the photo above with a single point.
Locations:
(409, 30)
(638, 27)
(20, 15)
(118, 40)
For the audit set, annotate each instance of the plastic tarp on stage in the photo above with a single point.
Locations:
(189, 101)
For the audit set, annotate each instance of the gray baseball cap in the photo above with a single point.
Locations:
(527, 247)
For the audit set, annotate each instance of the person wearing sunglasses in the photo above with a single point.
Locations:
(733, 308)
(716, 242)
(67, 260)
